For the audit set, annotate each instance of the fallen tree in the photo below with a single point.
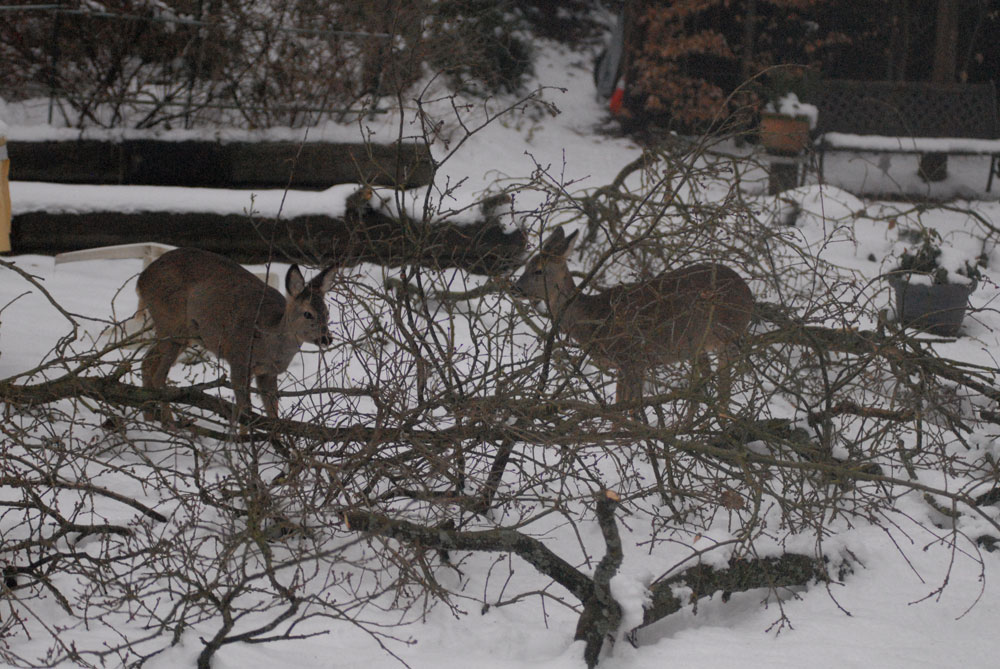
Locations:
(371, 453)
(601, 615)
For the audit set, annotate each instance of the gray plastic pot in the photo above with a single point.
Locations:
(938, 309)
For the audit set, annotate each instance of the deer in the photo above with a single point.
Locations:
(191, 294)
(630, 329)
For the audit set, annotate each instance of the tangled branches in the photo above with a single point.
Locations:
(450, 424)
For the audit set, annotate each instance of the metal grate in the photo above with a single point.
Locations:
(907, 109)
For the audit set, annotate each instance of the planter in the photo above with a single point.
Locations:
(938, 309)
(217, 164)
(783, 135)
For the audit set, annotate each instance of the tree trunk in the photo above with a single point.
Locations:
(899, 41)
(934, 166)
(945, 42)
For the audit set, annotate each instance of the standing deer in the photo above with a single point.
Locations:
(629, 329)
(195, 294)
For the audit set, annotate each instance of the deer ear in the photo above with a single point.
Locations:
(553, 244)
(294, 283)
(323, 282)
(558, 245)
(570, 243)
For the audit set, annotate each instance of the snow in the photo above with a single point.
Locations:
(884, 614)
(923, 279)
(841, 140)
(29, 196)
(23, 127)
(790, 105)
(897, 174)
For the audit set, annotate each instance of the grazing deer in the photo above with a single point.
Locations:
(629, 329)
(194, 294)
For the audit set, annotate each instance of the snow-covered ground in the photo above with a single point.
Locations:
(887, 613)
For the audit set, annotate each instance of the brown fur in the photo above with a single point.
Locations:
(193, 294)
(628, 329)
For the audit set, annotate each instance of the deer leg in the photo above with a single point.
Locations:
(701, 369)
(628, 389)
(724, 378)
(240, 378)
(155, 367)
(267, 384)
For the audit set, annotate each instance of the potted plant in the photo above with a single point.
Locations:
(926, 297)
(785, 121)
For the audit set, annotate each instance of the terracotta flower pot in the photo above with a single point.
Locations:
(783, 135)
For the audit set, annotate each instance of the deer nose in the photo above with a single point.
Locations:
(325, 340)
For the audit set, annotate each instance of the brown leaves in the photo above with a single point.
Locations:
(732, 500)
